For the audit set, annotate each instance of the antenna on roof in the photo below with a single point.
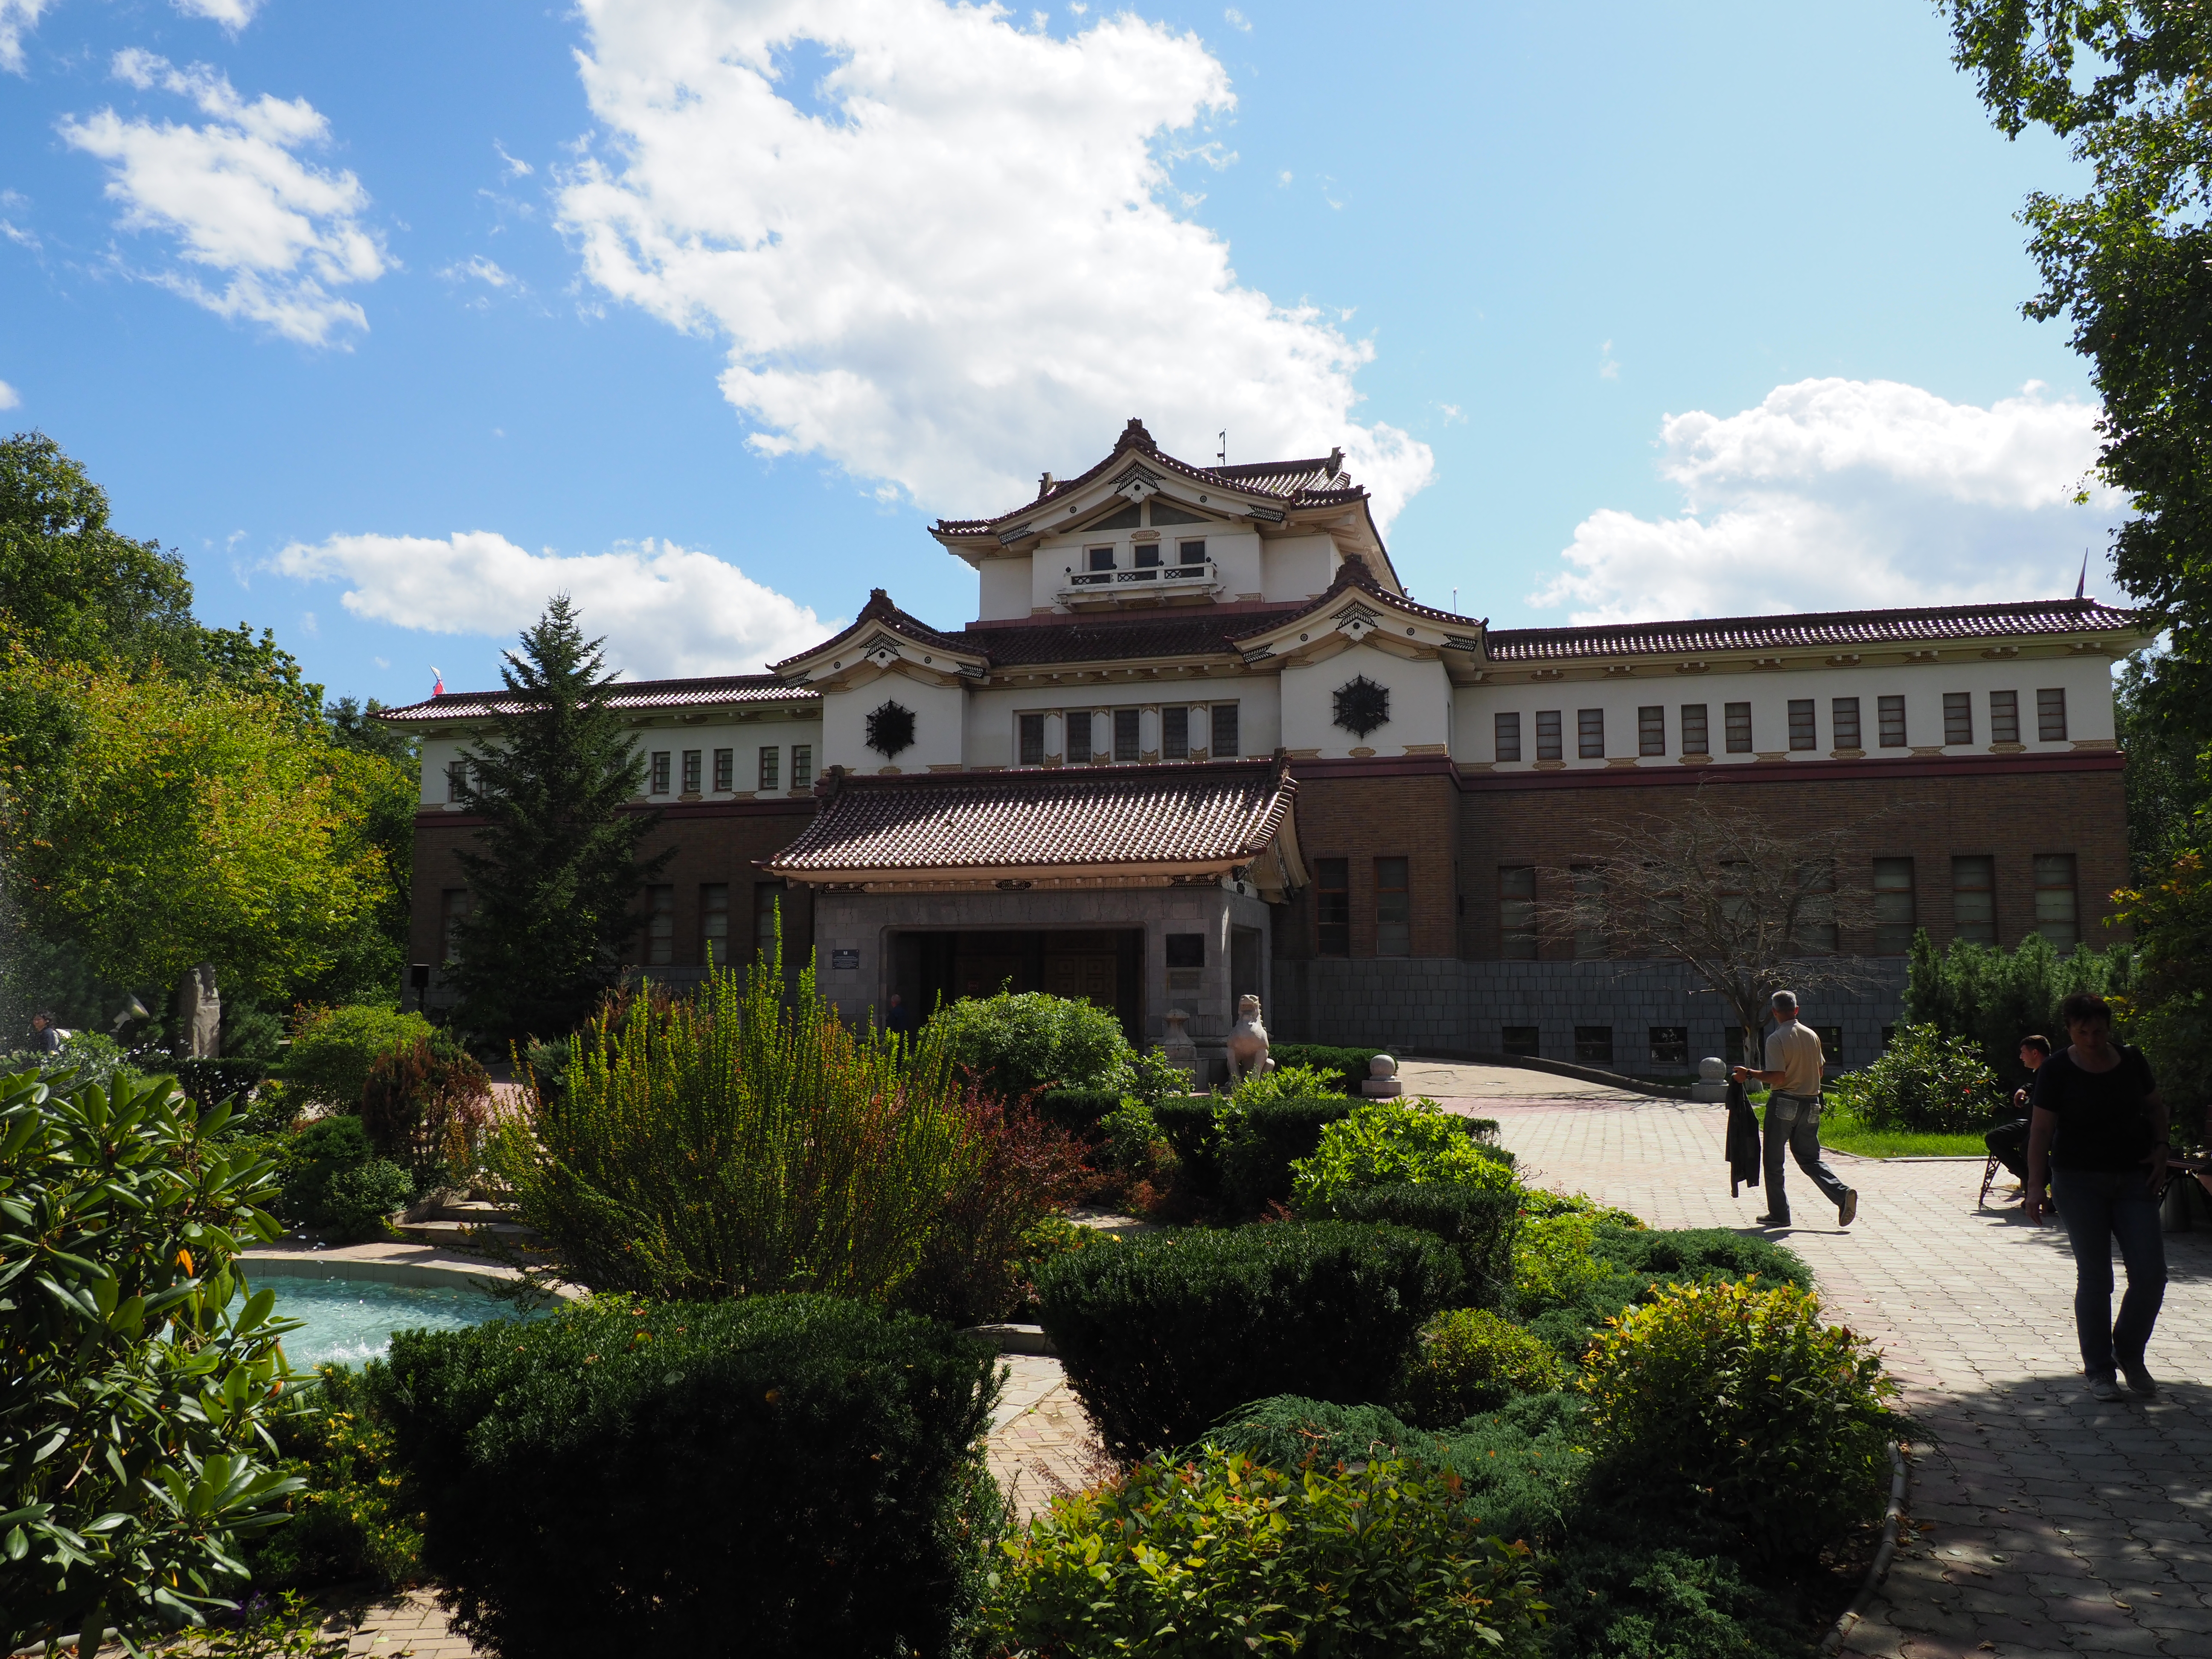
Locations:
(2083, 582)
(1221, 457)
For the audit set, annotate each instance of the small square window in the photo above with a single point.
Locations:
(725, 769)
(1099, 558)
(2004, 717)
(1651, 730)
(802, 765)
(1697, 738)
(1844, 712)
(1802, 735)
(660, 778)
(1125, 735)
(1589, 733)
(1739, 727)
(1225, 730)
(1148, 555)
(1958, 717)
(1594, 1046)
(1549, 745)
(1507, 728)
(1974, 900)
(692, 759)
(1185, 950)
(1519, 1042)
(771, 770)
(2051, 714)
(1892, 711)
(1333, 906)
(1175, 733)
(1190, 553)
(1670, 1045)
(1031, 740)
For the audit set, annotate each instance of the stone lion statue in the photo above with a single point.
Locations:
(1247, 1043)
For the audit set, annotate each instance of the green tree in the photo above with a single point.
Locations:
(554, 873)
(2127, 262)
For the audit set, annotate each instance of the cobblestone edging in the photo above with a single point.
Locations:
(1878, 1569)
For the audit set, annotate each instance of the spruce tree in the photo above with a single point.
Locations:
(555, 873)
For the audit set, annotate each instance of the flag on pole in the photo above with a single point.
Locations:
(438, 686)
(2080, 587)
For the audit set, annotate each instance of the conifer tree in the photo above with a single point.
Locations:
(554, 873)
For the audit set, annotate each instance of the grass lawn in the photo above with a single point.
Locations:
(1846, 1134)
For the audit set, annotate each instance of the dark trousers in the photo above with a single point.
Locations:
(2098, 1207)
(1793, 1123)
(2008, 1143)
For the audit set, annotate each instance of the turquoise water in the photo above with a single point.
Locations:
(347, 1321)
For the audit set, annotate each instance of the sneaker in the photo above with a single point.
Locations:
(1773, 1221)
(1847, 1212)
(2106, 1388)
(2140, 1379)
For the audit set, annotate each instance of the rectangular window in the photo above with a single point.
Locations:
(1175, 733)
(1190, 553)
(1332, 905)
(1739, 727)
(1891, 712)
(771, 769)
(691, 758)
(802, 765)
(1801, 724)
(725, 769)
(1651, 730)
(1125, 735)
(1958, 717)
(453, 909)
(457, 781)
(1588, 883)
(1816, 929)
(1732, 1042)
(1844, 713)
(1670, 1045)
(1148, 555)
(1393, 908)
(1594, 1046)
(2051, 714)
(2057, 917)
(1518, 1041)
(2004, 717)
(1974, 900)
(659, 925)
(660, 781)
(1548, 746)
(1186, 960)
(1099, 558)
(1894, 914)
(1508, 730)
(1516, 912)
(767, 909)
(1032, 740)
(1831, 1045)
(714, 922)
(1077, 723)
(1225, 730)
(1697, 735)
(1589, 733)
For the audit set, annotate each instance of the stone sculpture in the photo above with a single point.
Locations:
(1247, 1043)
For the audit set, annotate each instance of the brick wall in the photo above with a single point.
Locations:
(1360, 817)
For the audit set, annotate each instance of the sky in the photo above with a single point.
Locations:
(395, 319)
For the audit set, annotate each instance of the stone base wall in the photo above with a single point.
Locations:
(1411, 1003)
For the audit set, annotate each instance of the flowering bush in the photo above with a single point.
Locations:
(1387, 1143)
(1924, 1083)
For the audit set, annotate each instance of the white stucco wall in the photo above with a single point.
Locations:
(1298, 566)
(1420, 703)
(1003, 587)
(939, 717)
(746, 736)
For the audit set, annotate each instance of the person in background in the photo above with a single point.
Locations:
(46, 1039)
(2008, 1142)
(2099, 1130)
(1793, 1074)
(898, 1017)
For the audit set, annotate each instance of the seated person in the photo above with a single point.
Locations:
(2008, 1142)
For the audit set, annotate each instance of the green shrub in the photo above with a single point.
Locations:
(1536, 1204)
(1386, 1143)
(1480, 1222)
(1015, 1042)
(1150, 1077)
(1574, 1273)
(1081, 1112)
(137, 1386)
(1299, 1083)
(789, 1475)
(1470, 1360)
(739, 1142)
(1740, 1398)
(1162, 1334)
(1993, 997)
(334, 1181)
(334, 1049)
(1189, 1124)
(428, 1111)
(1348, 1066)
(88, 1056)
(1223, 1555)
(347, 1522)
(1923, 1082)
(1554, 1263)
(1261, 1140)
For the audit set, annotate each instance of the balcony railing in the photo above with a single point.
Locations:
(1150, 582)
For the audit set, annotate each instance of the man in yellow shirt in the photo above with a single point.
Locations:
(1793, 1073)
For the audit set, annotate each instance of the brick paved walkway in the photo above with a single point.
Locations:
(2045, 1523)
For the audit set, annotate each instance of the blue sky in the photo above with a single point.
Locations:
(393, 318)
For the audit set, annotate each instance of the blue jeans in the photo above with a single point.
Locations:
(1794, 1122)
(2099, 1206)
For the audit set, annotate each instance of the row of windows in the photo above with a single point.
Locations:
(1694, 725)
(1393, 906)
(1145, 555)
(456, 903)
(767, 770)
(1097, 737)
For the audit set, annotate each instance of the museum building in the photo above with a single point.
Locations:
(1198, 741)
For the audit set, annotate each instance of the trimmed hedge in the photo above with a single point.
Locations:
(1575, 1274)
(1481, 1222)
(1187, 1122)
(208, 1081)
(1163, 1334)
(1255, 1165)
(788, 1475)
(1079, 1111)
(1350, 1064)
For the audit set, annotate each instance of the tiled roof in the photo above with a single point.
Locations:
(627, 694)
(880, 612)
(1321, 481)
(1149, 633)
(1929, 625)
(1205, 814)
(1352, 573)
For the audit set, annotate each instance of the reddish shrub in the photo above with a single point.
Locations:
(428, 1108)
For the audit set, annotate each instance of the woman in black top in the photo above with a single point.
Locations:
(2098, 1127)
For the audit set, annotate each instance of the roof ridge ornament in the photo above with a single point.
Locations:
(1133, 436)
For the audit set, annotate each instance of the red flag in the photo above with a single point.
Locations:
(438, 689)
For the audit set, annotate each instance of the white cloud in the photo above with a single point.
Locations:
(516, 168)
(239, 201)
(17, 19)
(1838, 495)
(233, 14)
(946, 261)
(476, 268)
(1235, 20)
(1608, 369)
(9, 398)
(665, 611)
